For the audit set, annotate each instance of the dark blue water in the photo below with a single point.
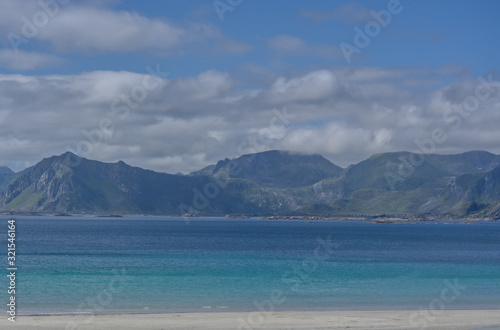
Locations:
(151, 264)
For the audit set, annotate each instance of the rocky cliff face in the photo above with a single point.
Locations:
(48, 186)
(67, 183)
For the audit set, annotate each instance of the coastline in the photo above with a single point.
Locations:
(386, 319)
(361, 218)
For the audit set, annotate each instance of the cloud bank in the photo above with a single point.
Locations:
(183, 124)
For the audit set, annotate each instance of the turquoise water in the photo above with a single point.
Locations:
(153, 264)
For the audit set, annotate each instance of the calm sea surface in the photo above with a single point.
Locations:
(154, 264)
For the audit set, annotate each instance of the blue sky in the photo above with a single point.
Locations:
(425, 33)
(226, 77)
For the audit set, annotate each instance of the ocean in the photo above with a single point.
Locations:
(161, 264)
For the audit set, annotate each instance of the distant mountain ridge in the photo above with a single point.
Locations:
(54, 185)
(6, 170)
(278, 169)
(6, 177)
(268, 183)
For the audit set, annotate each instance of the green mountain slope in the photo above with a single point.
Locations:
(468, 162)
(276, 169)
(274, 182)
(55, 185)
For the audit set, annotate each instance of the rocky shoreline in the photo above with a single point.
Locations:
(374, 218)
(381, 219)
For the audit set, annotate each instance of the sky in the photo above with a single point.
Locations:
(174, 86)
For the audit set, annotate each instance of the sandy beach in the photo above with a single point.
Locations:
(448, 319)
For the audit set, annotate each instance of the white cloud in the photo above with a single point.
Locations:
(314, 86)
(204, 87)
(91, 28)
(340, 142)
(22, 60)
(97, 29)
(187, 123)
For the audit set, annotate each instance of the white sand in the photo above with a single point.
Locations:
(450, 319)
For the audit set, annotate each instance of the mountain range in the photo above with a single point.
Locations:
(275, 182)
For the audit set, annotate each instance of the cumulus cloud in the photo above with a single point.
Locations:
(94, 28)
(184, 124)
(337, 138)
(314, 86)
